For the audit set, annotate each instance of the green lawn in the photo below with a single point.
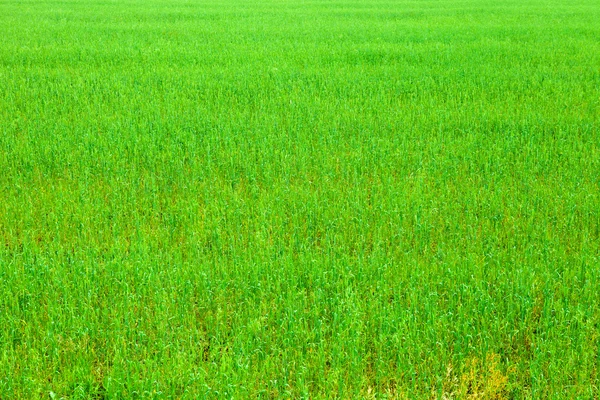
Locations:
(324, 199)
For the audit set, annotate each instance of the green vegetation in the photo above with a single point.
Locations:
(350, 198)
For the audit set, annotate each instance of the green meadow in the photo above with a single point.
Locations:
(353, 199)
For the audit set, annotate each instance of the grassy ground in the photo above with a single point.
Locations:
(353, 199)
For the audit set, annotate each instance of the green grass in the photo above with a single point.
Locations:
(351, 199)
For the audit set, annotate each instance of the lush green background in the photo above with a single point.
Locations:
(352, 198)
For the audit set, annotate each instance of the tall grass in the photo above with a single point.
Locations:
(352, 199)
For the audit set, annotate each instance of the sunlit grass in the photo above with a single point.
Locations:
(347, 199)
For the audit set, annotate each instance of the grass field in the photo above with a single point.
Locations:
(324, 199)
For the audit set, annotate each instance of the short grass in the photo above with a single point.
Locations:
(319, 199)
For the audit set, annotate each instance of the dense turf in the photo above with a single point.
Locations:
(346, 198)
